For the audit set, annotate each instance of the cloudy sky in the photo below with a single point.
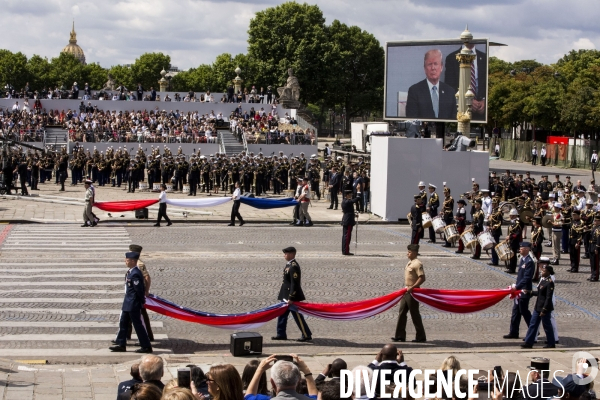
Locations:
(193, 32)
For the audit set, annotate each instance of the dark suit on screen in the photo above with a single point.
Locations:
(419, 105)
(452, 75)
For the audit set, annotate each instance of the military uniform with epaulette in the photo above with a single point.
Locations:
(291, 290)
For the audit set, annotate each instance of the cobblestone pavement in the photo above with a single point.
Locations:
(62, 289)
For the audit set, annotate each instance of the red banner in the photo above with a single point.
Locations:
(126, 205)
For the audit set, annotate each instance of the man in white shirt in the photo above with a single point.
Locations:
(162, 206)
(594, 160)
(486, 205)
(235, 210)
(543, 156)
(534, 155)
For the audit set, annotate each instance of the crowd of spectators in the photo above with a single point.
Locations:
(90, 124)
(22, 123)
(257, 127)
(293, 380)
(122, 93)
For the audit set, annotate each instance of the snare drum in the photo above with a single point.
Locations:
(186, 188)
(451, 233)
(169, 187)
(503, 251)
(143, 186)
(426, 218)
(438, 224)
(486, 240)
(156, 187)
(469, 239)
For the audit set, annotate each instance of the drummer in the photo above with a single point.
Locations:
(477, 224)
(460, 220)
(447, 211)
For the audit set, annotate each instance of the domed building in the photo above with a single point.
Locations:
(73, 47)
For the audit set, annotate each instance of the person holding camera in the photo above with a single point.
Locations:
(285, 376)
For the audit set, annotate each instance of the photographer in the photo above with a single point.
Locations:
(284, 379)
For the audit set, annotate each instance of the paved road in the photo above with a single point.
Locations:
(62, 288)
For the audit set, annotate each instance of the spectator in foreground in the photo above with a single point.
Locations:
(285, 377)
(144, 391)
(332, 371)
(388, 359)
(136, 378)
(179, 394)
(224, 383)
(329, 390)
(151, 370)
(363, 390)
(248, 375)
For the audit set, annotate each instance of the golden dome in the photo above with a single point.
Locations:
(73, 48)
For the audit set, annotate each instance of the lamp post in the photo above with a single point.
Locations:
(465, 95)
(344, 122)
(330, 122)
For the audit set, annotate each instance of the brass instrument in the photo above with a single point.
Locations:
(409, 217)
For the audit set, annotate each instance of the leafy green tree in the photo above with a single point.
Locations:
(146, 70)
(198, 79)
(290, 35)
(355, 70)
(38, 69)
(94, 75)
(13, 69)
(122, 76)
(65, 70)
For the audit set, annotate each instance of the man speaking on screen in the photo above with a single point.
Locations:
(430, 98)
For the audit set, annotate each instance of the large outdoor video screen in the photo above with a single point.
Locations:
(421, 80)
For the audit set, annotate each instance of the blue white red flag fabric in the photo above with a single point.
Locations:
(455, 301)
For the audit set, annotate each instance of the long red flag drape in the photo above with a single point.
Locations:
(126, 205)
(454, 301)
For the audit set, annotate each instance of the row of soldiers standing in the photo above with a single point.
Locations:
(256, 174)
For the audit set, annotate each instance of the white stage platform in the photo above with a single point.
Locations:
(398, 164)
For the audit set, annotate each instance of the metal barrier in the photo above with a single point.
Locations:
(559, 155)
(304, 124)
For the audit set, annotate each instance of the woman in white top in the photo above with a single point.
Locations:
(235, 210)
